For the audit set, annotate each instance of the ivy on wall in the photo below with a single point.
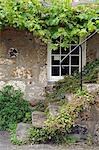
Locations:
(50, 20)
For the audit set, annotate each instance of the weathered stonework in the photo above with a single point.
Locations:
(92, 46)
(17, 85)
(27, 70)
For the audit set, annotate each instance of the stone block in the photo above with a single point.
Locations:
(53, 109)
(21, 131)
(38, 119)
(92, 87)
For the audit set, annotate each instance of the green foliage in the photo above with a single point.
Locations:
(56, 128)
(13, 107)
(37, 135)
(13, 137)
(55, 19)
(90, 72)
(68, 85)
(69, 112)
(71, 84)
(70, 139)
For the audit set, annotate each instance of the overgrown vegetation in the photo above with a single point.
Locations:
(44, 135)
(13, 108)
(50, 20)
(57, 128)
(68, 85)
(70, 111)
(71, 84)
(91, 71)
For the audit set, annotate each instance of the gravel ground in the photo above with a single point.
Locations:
(6, 145)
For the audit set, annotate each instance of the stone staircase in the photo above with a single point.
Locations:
(88, 121)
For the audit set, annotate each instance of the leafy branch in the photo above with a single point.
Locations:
(49, 22)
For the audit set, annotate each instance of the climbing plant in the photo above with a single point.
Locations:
(50, 19)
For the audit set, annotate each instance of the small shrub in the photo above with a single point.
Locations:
(38, 135)
(13, 107)
(13, 136)
(69, 84)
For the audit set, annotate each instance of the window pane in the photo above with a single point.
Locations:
(76, 51)
(66, 60)
(64, 70)
(64, 51)
(55, 71)
(74, 60)
(55, 60)
(74, 69)
(56, 51)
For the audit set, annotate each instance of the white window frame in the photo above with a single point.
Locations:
(49, 65)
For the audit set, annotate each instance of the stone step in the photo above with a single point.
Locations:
(39, 118)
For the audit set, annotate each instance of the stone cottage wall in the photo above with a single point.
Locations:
(27, 69)
(92, 46)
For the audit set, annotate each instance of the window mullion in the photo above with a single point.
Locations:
(60, 57)
(70, 61)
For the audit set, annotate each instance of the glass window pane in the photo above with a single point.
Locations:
(74, 60)
(66, 60)
(64, 51)
(55, 71)
(76, 51)
(55, 60)
(74, 69)
(64, 70)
